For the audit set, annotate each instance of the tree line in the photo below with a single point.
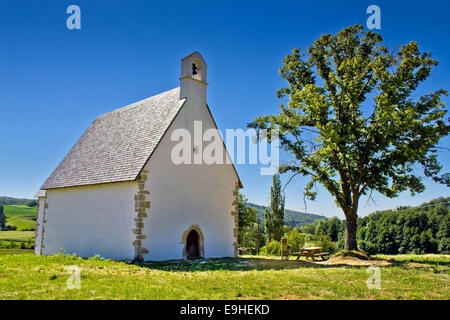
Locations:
(17, 201)
(422, 229)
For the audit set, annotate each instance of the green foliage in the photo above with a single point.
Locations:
(296, 240)
(273, 248)
(347, 143)
(334, 228)
(309, 228)
(422, 229)
(29, 244)
(32, 203)
(325, 242)
(2, 218)
(274, 218)
(247, 223)
(14, 201)
(277, 208)
(408, 230)
(268, 224)
(321, 227)
(20, 217)
(9, 239)
(292, 218)
(97, 257)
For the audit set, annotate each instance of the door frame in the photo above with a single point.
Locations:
(201, 240)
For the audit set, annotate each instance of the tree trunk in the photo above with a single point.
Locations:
(350, 233)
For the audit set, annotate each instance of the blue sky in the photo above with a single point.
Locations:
(55, 81)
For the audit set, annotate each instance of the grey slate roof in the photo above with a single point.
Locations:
(117, 144)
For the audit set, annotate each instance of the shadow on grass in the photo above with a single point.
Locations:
(4, 251)
(430, 262)
(237, 264)
(249, 263)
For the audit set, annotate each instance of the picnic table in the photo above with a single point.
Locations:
(311, 252)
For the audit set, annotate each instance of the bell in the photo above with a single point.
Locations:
(194, 69)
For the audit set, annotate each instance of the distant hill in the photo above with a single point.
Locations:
(14, 201)
(291, 218)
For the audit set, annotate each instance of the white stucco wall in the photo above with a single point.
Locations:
(186, 195)
(90, 220)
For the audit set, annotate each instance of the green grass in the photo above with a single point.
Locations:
(16, 235)
(20, 210)
(26, 276)
(15, 251)
(23, 217)
(22, 223)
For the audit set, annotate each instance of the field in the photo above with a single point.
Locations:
(16, 235)
(26, 276)
(23, 217)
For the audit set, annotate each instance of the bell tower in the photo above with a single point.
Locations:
(193, 78)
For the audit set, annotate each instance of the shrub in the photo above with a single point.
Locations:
(272, 248)
(296, 240)
(368, 247)
(444, 246)
(97, 257)
(325, 242)
(30, 244)
(263, 251)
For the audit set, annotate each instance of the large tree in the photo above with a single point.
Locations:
(354, 121)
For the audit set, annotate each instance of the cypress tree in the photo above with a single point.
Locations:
(2, 218)
(277, 208)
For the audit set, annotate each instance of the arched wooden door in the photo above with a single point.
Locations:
(192, 245)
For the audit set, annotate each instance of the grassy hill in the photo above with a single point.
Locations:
(14, 201)
(291, 218)
(19, 236)
(21, 216)
(18, 213)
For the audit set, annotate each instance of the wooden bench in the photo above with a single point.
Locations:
(323, 255)
(311, 252)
